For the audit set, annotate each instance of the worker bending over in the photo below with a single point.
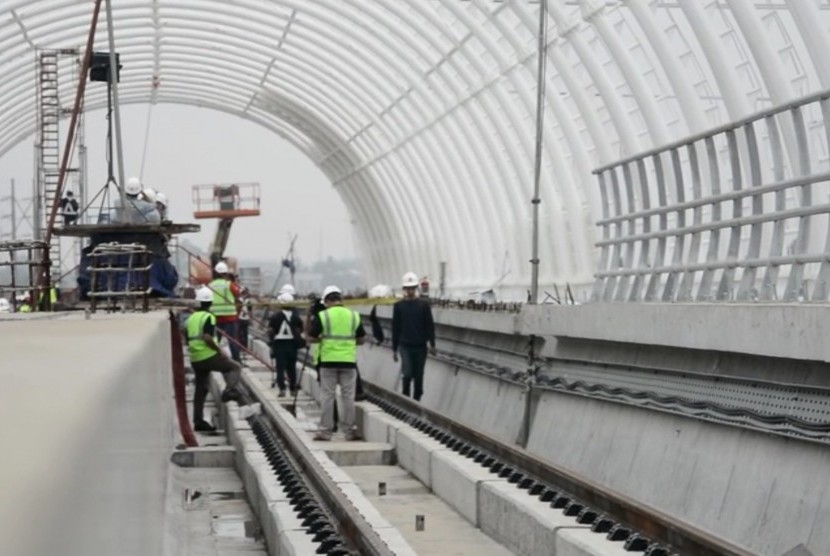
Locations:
(205, 356)
(338, 331)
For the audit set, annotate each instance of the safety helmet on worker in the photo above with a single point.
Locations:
(149, 194)
(133, 186)
(288, 288)
(204, 295)
(221, 267)
(409, 280)
(285, 297)
(331, 290)
(161, 199)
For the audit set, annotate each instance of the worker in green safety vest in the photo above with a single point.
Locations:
(206, 356)
(53, 298)
(338, 332)
(225, 300)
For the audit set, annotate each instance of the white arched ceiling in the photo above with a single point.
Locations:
(422, 113)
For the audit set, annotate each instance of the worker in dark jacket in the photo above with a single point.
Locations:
(412, 330)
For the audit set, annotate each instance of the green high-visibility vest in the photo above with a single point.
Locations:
(224, 302)
(25, 308)
(337, 341)
(195, 326)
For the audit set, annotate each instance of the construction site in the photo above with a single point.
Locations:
(513, 277)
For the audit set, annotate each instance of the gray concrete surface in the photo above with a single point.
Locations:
(88, 430)
(763, 492)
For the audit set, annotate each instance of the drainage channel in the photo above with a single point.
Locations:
(638, 527)
(329, 517)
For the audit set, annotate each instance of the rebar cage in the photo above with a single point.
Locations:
(27, 275)
(120, 277)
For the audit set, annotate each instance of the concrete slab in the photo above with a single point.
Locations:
(378, 426)
(86, 446)
(456, 480)
(208, 456)
(522, 522)
(296, 543)
(445, 533)
(414, 450)
(584, 542)
(345, 453)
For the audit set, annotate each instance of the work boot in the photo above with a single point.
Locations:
(352, 435)
(281, 394)
(322, 436)
(203, 426)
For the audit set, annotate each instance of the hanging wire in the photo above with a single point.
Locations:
(146, 142)
(540, 131)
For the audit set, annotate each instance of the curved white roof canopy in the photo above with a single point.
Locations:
(422, 113)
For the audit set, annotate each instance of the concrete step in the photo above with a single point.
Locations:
(352, 453)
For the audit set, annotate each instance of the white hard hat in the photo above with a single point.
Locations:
(133, 186)
(288, 288)
(4, 305)
(285, 297)
(330, 290)
(204, 295)
(149, 195)
(221, 267)
(161, 198)
(409, 280)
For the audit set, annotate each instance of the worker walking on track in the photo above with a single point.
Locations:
(205, 356)
(412, 329)
(225, 299)
(285, 329)
(338, 331)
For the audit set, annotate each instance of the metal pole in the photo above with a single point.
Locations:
(540, 130)
(113, 83)
(14, 214)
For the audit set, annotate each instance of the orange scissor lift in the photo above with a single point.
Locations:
(225, 202)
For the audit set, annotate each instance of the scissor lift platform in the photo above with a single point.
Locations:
(226, 200)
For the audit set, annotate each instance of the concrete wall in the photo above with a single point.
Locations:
(88, 429)
(796, 331)
(764, 492)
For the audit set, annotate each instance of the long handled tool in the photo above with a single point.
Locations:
(293, 407)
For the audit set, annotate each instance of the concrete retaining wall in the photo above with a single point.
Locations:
(764, 492)
(88, 414)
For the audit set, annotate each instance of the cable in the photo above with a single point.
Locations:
(146, 141)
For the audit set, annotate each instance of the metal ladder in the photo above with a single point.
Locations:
(49, 113)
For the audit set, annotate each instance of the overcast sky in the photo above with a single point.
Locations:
(190, 146)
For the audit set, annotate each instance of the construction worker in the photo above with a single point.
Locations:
(412, 329)
(69, 208)
(161, 205)
(26, 304)
(244, 315)
(206, 356)
(136, 210)
(225, 296)
(53, 299)
(338, 331)
(285, 330)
